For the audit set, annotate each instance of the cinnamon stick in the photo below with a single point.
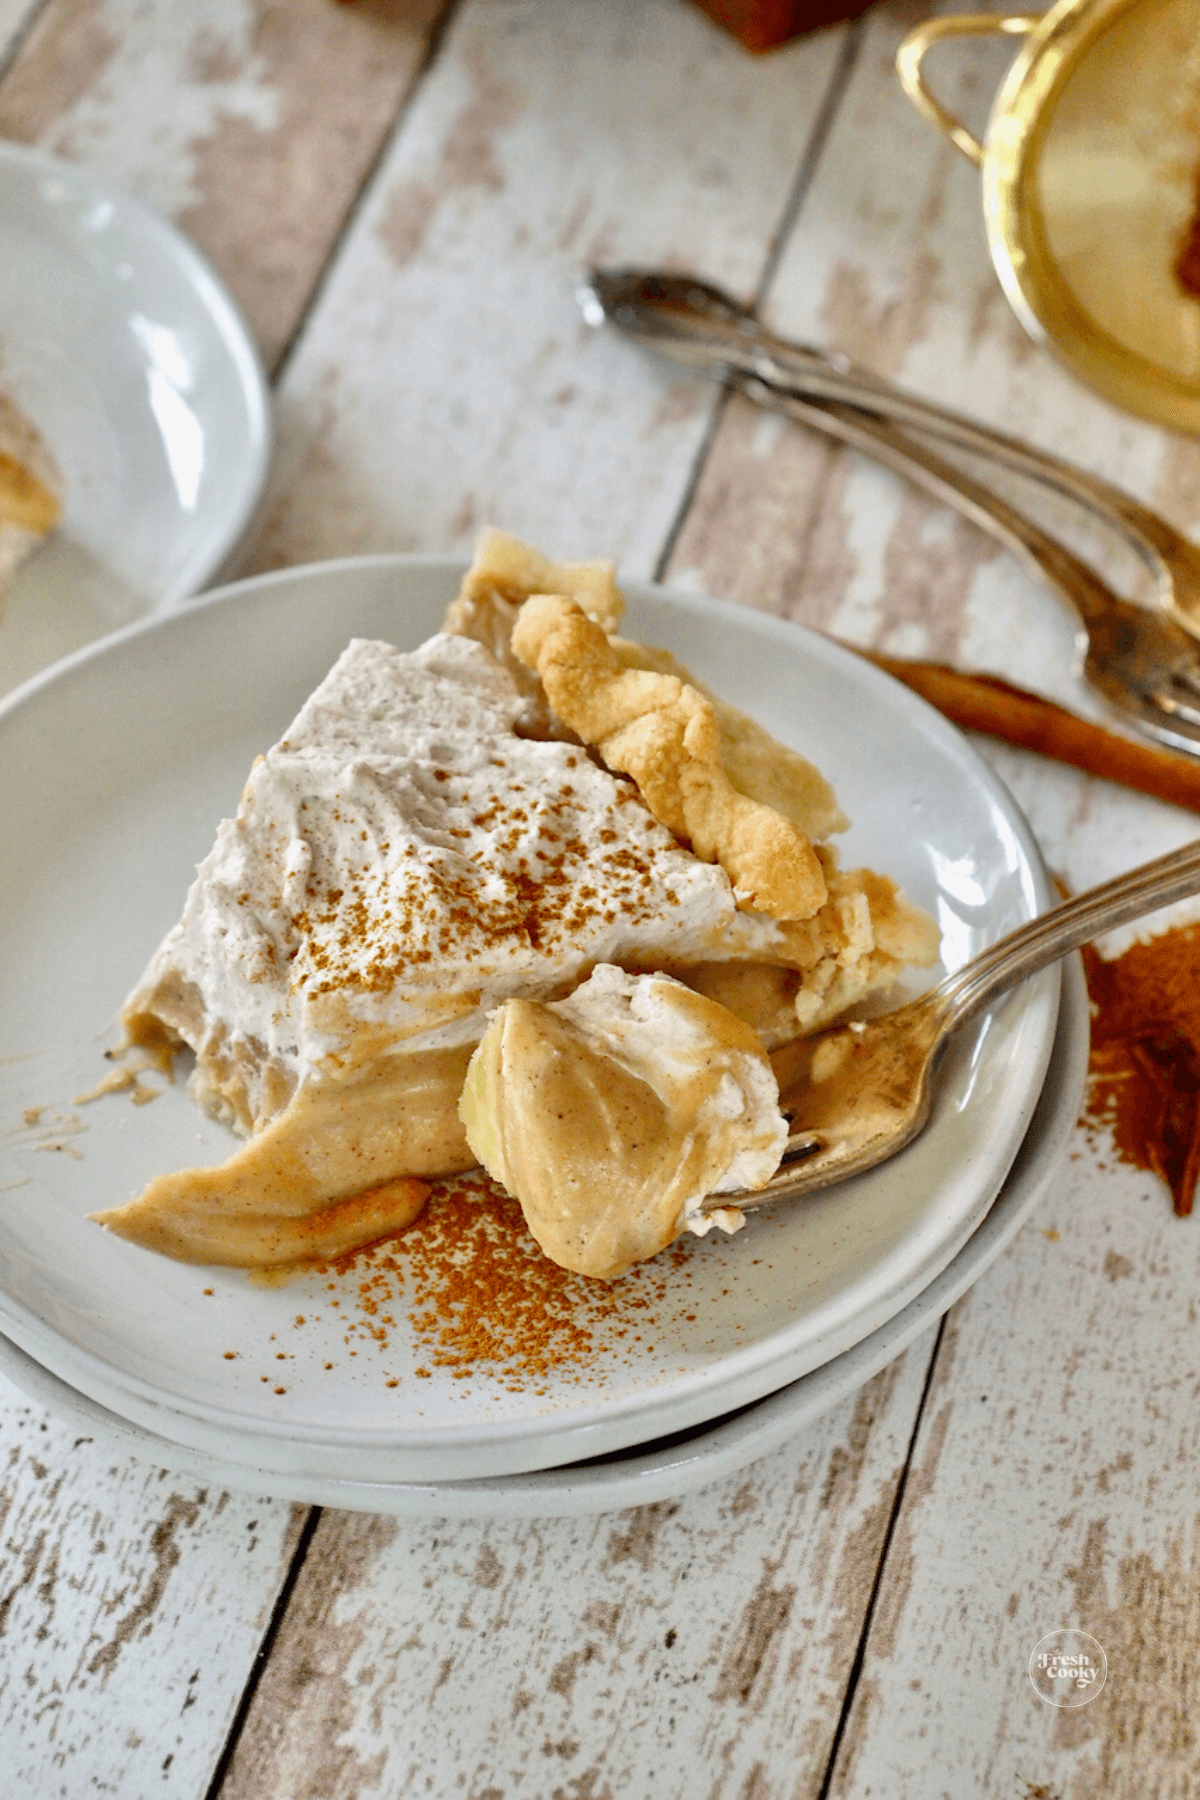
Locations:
(998, 709)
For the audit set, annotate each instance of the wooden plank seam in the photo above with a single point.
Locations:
(263, 1654)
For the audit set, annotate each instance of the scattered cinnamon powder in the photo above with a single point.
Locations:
(1144, 1068)
(483, 1299)
(542, 882)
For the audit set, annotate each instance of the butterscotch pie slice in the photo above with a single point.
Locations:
(429, 842)
(401, 863)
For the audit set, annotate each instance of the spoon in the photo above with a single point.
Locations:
(693, 323)
(1141, 662)
(858, 1093)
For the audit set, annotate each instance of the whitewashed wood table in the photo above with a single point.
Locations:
(402, 195)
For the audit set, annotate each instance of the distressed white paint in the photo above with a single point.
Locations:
(446, 380)
(696, 1647)
(1014, 626)
(870, 506)
(1053, 1485)
(192, 66)
(131, 1608)
(13, 15)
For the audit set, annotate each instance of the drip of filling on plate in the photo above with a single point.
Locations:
(527, 896)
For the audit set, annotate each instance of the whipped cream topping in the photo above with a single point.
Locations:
(402, 860)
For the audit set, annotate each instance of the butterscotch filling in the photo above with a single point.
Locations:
(334, 1169)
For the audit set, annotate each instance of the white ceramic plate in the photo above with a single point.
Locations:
(646, 1472)
(131, 752)
(124, 348)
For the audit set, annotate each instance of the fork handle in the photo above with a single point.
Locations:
(1065, 928)
(876, 437)
(809, 374)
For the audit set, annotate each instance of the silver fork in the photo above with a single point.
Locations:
(1143, 664)
(864, 1091)
(1139, 661)
(697, 325)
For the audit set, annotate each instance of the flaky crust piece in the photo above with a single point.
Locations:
(665, 734)
(503, 575)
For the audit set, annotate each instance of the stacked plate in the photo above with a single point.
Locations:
(125, 354)
(332, 1387)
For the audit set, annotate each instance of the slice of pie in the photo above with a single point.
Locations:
(422, 846)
